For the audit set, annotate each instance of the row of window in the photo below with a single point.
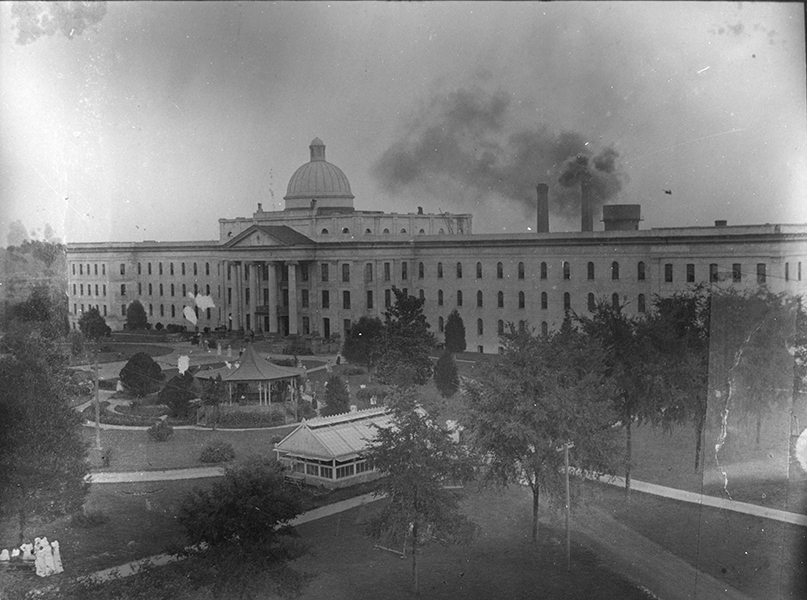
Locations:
(346, 231)
(78, 289)
(716, 276)
(139, 268)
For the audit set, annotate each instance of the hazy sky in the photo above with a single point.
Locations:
(165, 116)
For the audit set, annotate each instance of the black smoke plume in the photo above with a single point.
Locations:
(469, 144)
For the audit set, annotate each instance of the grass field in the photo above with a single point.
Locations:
(136, 451)
(116, 351)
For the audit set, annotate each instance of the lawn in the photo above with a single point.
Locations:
(502, 563)
(134, 450)
(760, 557)
(116, 351)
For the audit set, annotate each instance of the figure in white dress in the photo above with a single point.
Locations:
(42, 568)
(27, 551)
(57, 557)
(4, 555)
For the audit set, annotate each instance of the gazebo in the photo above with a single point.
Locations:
(254, 378)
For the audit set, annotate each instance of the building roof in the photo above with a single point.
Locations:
(342, 436)
(252, 367)
(318, 179)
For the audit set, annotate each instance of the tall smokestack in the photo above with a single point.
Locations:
(586, 216)
(543, 208)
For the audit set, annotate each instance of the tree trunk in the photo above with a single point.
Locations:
(628, 452)
(23, 519)
(698, 440)
(536, 490)
(415, 557)
(759, 427)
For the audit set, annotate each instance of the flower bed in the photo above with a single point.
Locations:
(110, 417)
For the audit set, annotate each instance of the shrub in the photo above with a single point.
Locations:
(216, 452)
(446, 377)
(141, 374)
(108, 384)
(306, 410)
(88, 519)
(337, 397)
(160, 431)
(158, 327)
(285, 362)
(352, 370)
(297, 350)
(237, 420)
(177, 394)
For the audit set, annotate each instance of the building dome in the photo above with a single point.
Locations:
(318, 180)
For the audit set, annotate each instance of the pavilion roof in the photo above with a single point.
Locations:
(340, 436)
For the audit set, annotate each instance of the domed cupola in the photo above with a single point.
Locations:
(318, 180)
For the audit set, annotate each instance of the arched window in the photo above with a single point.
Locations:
(480, 327)
(567, 270)
(500, 327)
(422, 295)
(500, 299)
(421, 231)
(590, 271)
(614, 270)
(345, 230)
(172, 289)
(459, 298)
(366, 231)
(184, 290)
(441, 231)
(421, 270)
(403, 230)
(195, 271)
(439, 297)
(499, 270)
(521, 270)
(521, 300)
(479, 270)
(544, 302)
(640, 271)
(479, 299)
(522, 325)
(591, 302)
(439, 270)
(642, 307)
(207, 269)
(567, 301)
(324, 231)
(615, 300)
(459, 270)
(544, 328)
(207, 289)
(440, 324)
(543, 270)
(386, 230)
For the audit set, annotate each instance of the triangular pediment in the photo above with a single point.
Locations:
(267, 236)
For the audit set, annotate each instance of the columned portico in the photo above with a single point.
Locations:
(253, 295)
(238, 295)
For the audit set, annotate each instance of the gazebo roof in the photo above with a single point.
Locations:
(252, 367)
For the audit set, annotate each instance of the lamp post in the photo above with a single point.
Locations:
(97, 403)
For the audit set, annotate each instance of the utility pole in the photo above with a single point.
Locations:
(97, 404)
(565, 449)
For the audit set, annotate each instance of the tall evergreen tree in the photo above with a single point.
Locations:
(363, 340)
(92, 325)
(136, 316)
(406, 344)
(141, 375)
(455, 332)
(446, 377)
(337, 397)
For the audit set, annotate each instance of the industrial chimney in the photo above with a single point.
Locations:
(543, 208)
(586, 216)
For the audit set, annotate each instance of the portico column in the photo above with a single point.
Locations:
(292, 297)
(253, 295)
(239, 303)
(272, 297)
(222, 299)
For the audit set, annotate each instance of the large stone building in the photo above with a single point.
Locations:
(320, 264)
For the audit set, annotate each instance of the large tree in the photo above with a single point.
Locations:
(455, 332)
(136, 316)
(635, 367)
(141, 375)
(337, 396)
(543, 392)
(362, 342)
(177, 394)
(419, 461)
(407, 342)
(44, 309)
(42, 453)
(214, 393)
(239, 528)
